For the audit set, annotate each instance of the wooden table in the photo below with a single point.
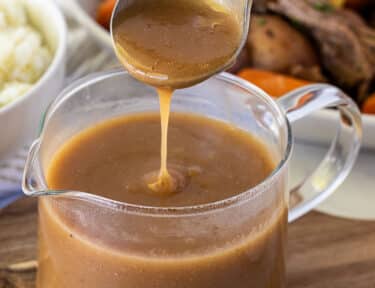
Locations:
(324, 251)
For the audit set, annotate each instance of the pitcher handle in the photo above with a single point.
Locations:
(343, 151)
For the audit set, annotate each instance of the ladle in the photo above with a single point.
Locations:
(239, 8)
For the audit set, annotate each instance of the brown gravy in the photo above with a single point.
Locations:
(69, 258)
(212, 160)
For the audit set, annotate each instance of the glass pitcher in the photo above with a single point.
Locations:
(90, 241)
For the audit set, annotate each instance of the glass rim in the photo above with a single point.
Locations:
(172, 211)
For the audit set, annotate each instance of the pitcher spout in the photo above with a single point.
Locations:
(32, 181)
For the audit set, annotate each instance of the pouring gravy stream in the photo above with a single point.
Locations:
(182, 43)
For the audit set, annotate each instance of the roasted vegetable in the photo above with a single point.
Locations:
(275, 45)
(368, 105)
(313, 74)
(104, 12)
(274, 84)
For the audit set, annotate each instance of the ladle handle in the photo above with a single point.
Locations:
(343, 151)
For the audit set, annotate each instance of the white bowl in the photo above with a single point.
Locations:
(20, 119)
(305, 129)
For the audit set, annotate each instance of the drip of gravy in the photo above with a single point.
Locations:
(165, 183)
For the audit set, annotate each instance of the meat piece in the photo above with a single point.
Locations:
(357, 4)
(372, 18)
(347, 45)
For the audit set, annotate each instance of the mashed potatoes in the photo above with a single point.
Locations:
(23, 54)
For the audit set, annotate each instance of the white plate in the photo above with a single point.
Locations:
(355, 198)
(317, 128)
(320, 127)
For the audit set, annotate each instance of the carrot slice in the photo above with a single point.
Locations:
(274, 84)
(104, 12)
(369, 105)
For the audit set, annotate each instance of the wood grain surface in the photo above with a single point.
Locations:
(323, 251)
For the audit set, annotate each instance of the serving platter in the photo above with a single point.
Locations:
(319, 127)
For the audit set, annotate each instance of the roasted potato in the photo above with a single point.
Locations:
(274, 44)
